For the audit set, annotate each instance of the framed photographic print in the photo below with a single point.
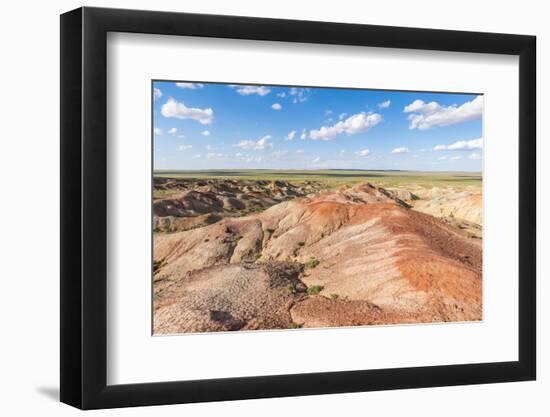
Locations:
(257, 208)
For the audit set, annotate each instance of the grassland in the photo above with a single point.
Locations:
(336, 178)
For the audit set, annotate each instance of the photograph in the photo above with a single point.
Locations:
(293, 207)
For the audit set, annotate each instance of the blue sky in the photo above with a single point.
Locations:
(224, 126)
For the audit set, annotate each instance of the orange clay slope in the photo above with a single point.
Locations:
(355, 256)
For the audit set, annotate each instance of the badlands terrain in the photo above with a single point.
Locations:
(248, 250)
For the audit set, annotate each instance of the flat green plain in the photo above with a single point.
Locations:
(335, 178)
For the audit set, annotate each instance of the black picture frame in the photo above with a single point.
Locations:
(84, 207)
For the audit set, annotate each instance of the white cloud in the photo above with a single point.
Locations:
(215, 155)
(300, 94)
(157, 93)
(246, 90)
(384, 104)
(205, 133)
(282, 94)
(455, 158)
(191, 86)
(461, 145)
(360, 122)
(364, 152)
(290, 135)
(318, 159)
(173, 108)
(184, 147)
(300, 151)
(157, 131)
(260, 144)
(328, 112)
(442, 158)
(342, 116)
(276, 106)
(400, 150)
(466, 145)
(181, 136)
(173, 131)
(475, 156)
(303, 136)
(427, 115)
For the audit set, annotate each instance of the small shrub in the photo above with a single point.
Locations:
(257, 256)
(314, 289)
(334, 296)
(291, 288)
(294, 326)
(301, 243)
(312, 263)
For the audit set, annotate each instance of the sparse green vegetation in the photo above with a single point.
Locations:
(257, 256)
(293, 325)
(314, 289)
(291, 288)
(334, 296)
(312, 263)
(336, 177)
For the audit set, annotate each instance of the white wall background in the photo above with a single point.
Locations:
(29, 159)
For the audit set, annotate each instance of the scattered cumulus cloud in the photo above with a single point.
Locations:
(303, 136)
(215, 155)
(157, 131)
(191, 86)
(475, 156)
(276, 106)
(260, 144)
(179, 110)
(384, 105)
(157, 93)
(205, 133)
(184, 147)
(461, 145)
(400, 150)
(173, 131)
(455, 158)
(358, 123)
(442, 158)
(299, 94)
(281, 94)
(342, 116)
(424, 116)
(364, 152)
(290, 135)
(246, 90)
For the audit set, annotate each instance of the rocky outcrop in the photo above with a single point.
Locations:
(354, 256)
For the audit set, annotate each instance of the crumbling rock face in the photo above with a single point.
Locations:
(230, 297)
(190, 203)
